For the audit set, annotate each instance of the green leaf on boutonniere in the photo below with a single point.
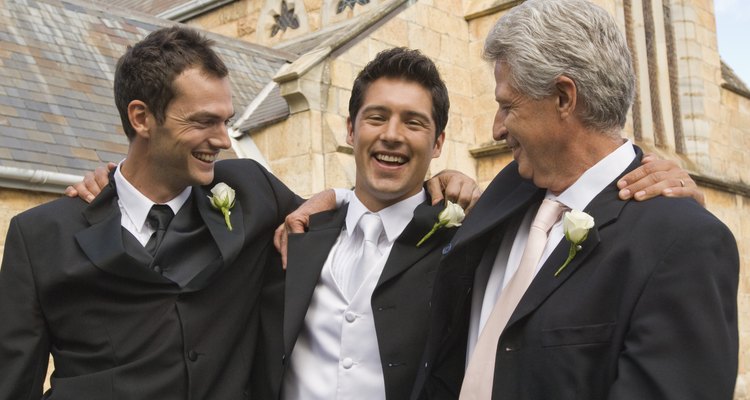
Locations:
(450, 217)
(576, 225)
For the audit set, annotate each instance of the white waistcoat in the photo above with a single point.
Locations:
(336, 355)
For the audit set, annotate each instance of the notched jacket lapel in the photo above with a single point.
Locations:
(307, 254)
(230, 243)
(605, 208)
(102, 242)
(496, 208)
(405, 252)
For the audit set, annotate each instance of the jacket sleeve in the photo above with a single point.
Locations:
(24, 339)
(682, 342)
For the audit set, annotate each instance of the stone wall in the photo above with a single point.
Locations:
(682, 112)
(13, 202)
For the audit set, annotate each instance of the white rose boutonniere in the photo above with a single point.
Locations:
(223, 200)
(576, 225)
(450, 217)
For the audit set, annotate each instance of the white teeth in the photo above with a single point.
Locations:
(390, 158)
(205, 157)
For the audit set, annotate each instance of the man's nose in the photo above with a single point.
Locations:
(498, 126)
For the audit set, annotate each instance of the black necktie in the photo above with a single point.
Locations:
(159, 218)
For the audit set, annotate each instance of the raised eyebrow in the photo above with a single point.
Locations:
(377, 108)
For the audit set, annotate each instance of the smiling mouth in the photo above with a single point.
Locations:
(206, 157)
(391, 159)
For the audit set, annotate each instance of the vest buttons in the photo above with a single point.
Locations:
(192, 355)
(347, 363)
(350, 316)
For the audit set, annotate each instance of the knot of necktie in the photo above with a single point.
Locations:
(371, 227)
(159, 218)
(549, 213)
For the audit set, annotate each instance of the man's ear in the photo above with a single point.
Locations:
(140, 118)
(349, 132)
(567, 96)
(438, 145)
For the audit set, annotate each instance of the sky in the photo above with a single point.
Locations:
(733, 31)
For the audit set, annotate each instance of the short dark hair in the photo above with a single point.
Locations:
(148, 69)
(410, 65)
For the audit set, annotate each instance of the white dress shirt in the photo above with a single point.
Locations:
(134, 207)
(336, 355)
(488, 283)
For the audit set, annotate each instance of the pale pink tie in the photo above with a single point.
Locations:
(481, 370)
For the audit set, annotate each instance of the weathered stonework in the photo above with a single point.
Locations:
(682, 112)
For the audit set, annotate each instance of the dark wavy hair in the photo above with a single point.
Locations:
(148, 69)
(410, 65)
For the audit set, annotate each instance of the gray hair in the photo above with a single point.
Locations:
(541, 40)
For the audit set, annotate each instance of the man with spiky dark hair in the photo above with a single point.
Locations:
(350, 328)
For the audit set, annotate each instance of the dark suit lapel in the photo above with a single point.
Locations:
(230, 243)
(405, 252)
(605, 209)
(307, 254)
(494, 207)
(102, 242)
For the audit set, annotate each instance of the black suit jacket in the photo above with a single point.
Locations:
(646, 309)
(119, 330)
(400, 302)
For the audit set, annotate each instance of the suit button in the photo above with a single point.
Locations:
(192, 355)
(347, 363)
(350, 316)
(157, 268)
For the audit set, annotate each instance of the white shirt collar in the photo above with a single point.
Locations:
(394, 217)
(596, 178)
(137, 205)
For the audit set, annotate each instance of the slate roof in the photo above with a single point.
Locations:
(732, 81)
(176, 10)
(150, 7)
(313, 40)
(57, 61)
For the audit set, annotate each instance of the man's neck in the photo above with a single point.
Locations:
(143, 179)
(582, 154)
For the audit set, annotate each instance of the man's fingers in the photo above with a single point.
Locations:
(70, 191)
(475, 194)
(454, 191)
(101, 179)
(658, 177)
(296, 224)
(686, 191)
(435, 189)
(456, 187)
(279, 241)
